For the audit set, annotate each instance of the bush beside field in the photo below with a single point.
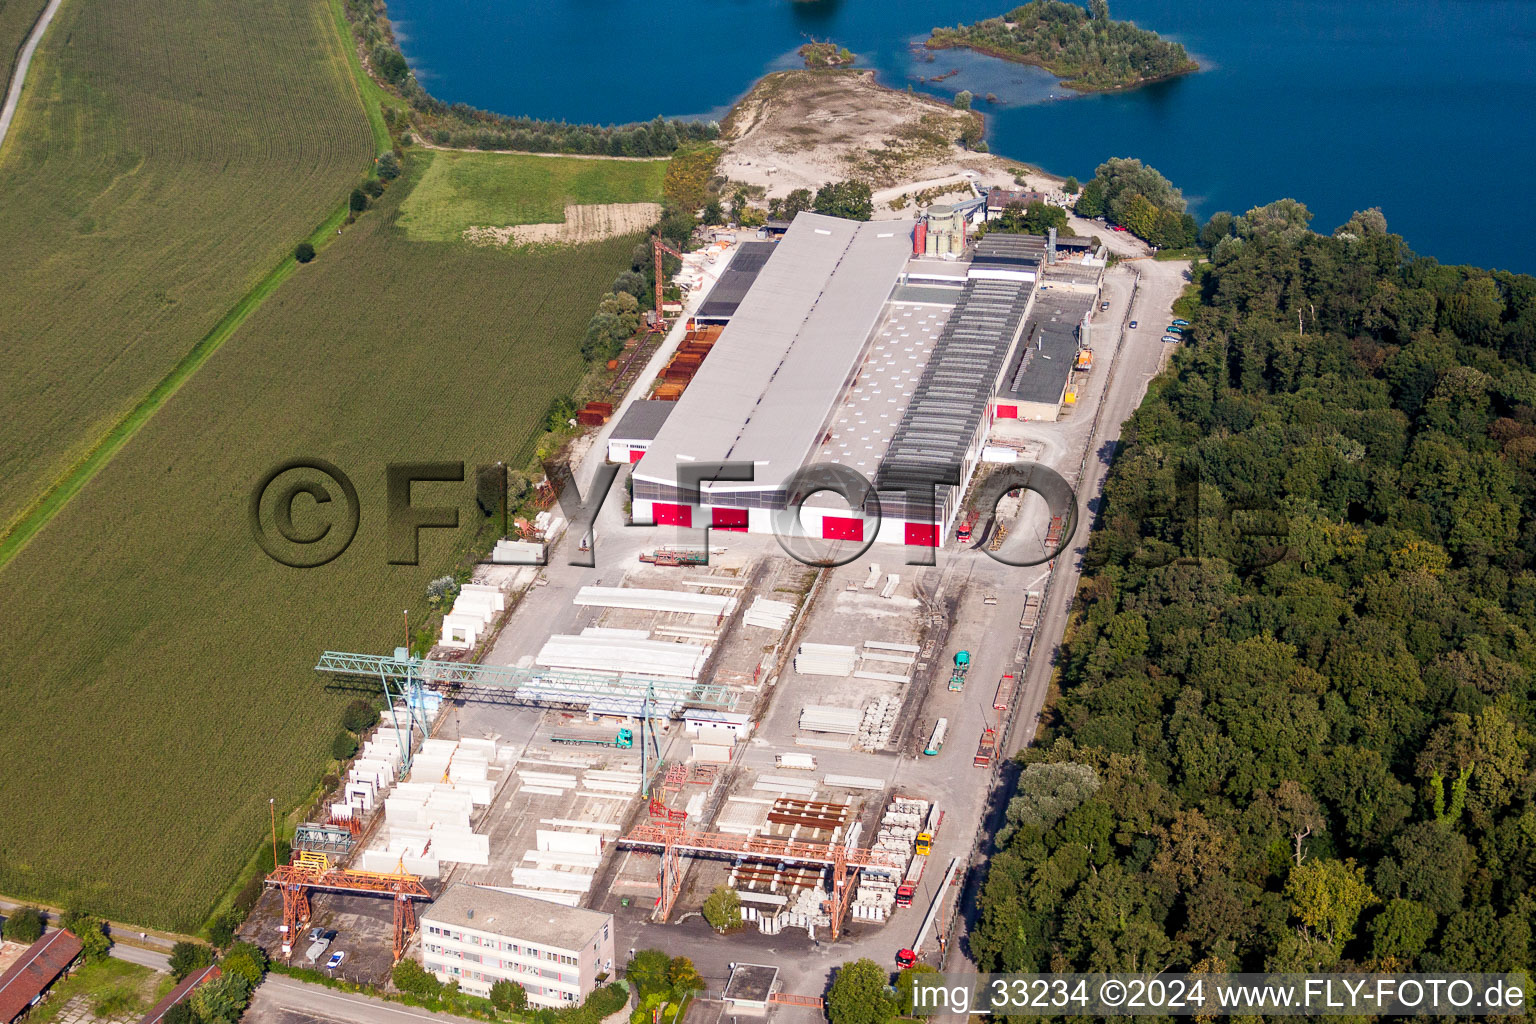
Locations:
(158, 687)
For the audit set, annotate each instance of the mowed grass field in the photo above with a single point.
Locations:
(166, 155)
(16, 20)
(462, 190)
(158, 685)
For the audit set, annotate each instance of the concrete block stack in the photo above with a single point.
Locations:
(474, 608)
(427, 817)
(369, 779)
(875, 896)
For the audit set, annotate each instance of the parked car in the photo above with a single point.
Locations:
(1119, 227)
(1181, 323)
(1103, 306)
(1172, 337)
(335, 960)
(1132, 325)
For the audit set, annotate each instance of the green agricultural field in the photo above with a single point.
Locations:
(167, 154)
(464, 190)
(158, 685)
(16, 20)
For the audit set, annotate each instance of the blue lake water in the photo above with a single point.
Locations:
(1422, 107)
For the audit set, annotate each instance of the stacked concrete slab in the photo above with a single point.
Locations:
(786, 785)
(560, 867)
(599, 653)
(744, 815)
(768, 614)
(885, 661)
(714, 605)
(825, 659)
(825, 718)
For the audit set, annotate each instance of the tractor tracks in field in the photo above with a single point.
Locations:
(36, 515)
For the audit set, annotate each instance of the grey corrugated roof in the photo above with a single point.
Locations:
(523, 917)
(952, 396)
(1044, 363)
(1000, 249)
(1038, 370)
(642, 421)
(773, 378)
(725, 297)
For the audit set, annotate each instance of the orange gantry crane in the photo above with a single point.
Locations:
(657, 248)
(315, 871)
(673, 841)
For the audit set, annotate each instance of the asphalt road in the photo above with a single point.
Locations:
(282, 1000)
(1141, 357)
(19, 73)
(143, 957)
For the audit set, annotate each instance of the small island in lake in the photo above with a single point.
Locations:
(825, 55)
(1084, 48)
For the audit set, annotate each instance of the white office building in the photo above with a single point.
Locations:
(478, 936)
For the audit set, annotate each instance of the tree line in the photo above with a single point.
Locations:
(1088, 50)
(1125, 191)
(1295, 723)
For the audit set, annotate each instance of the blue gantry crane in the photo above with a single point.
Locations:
(407, 681)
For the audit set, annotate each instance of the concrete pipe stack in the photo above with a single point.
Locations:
(878, 723)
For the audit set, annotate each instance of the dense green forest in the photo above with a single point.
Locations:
(1295, 722)
(1137, 197)
(1087, 51)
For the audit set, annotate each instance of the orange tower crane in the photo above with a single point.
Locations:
(315, 871)
(674, 841)
(657, 248)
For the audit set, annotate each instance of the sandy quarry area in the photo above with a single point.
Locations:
(589, 223)
(801, 129)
